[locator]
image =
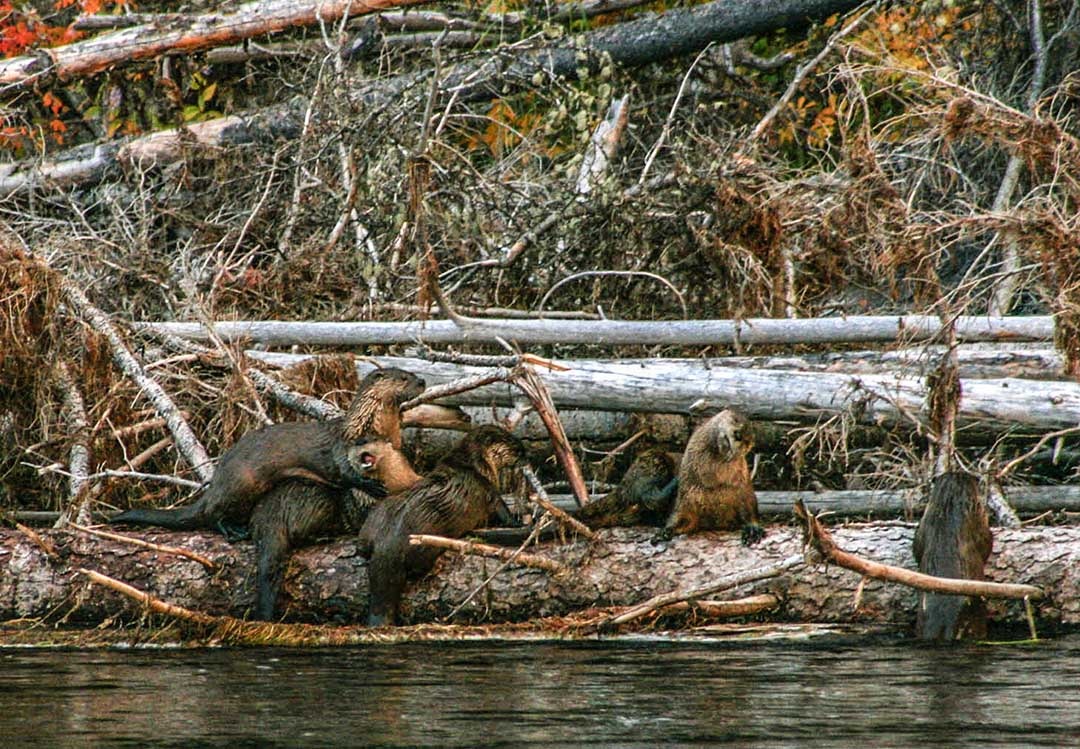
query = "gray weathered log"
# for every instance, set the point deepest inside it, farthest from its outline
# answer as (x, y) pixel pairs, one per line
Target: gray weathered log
(181, 33)
(1029, 500)
(649, 39)
(998, 404)
(621, 568)
(863, 329)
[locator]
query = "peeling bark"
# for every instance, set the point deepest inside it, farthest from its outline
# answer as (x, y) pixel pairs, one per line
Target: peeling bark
(329, 582)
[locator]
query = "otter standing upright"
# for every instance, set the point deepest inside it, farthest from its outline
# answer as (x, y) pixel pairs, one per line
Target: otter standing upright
(458, 496)
(953, 540)
(715, 492)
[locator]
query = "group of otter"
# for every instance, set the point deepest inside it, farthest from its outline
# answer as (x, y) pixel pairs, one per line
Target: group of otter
(288, 484)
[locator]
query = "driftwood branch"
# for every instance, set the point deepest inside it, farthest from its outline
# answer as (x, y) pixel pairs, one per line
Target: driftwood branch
(866, 329)
(726, 609)
(818, 538)
(487, 550)
(186, 441)
(725, 583)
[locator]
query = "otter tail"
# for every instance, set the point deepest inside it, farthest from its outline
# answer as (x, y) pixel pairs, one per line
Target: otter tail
(186, 518)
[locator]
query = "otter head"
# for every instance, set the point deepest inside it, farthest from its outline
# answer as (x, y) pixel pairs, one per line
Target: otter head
(490, 449)
(390, 385)
(379, 461)
(731, 433)
(375, 409)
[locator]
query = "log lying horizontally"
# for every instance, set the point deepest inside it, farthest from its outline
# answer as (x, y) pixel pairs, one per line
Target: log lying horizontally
(622, 568)
(862, 329)
(995, 404)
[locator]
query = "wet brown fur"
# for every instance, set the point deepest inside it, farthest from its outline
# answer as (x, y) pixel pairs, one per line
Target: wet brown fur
(643, 496)
(953, 540)
(296, 513)
(715, 490)
(314, 451)
(458, 496)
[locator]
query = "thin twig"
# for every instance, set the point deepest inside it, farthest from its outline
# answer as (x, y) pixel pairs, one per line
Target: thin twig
(486, 550)
(646, 274)
(207, 563)
(541, 498)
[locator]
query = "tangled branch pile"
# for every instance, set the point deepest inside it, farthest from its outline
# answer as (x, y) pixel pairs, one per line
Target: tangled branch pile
(917, 157)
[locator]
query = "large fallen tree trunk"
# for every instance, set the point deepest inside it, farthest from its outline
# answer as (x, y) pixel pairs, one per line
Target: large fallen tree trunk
(999, 404)
(861, 329)
(650, 39)
(329, 582)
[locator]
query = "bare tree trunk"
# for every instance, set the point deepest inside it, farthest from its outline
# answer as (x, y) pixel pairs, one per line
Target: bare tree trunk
(620, 568)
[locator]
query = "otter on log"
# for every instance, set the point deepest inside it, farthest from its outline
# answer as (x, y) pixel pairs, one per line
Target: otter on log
(457, 497)
(642, 497)
(317, 451)
(953, 540)
(296, 513)
(715, 492)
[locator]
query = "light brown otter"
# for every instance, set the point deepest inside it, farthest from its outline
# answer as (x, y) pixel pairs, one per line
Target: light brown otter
(458, 496)
(715, 491)
(642, 497)
(316, 451)
(296, 513)
(953, 540)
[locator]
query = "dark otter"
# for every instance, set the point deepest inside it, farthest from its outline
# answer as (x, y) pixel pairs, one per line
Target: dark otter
(317, 451)
(715, 492)
(296, 513)
(953, 540)
(642, 497)
(457, 496)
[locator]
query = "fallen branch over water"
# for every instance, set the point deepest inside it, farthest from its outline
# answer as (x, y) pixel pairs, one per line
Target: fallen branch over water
(818, 538)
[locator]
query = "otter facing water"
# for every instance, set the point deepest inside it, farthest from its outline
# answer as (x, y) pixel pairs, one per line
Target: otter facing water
(457, 496)
(317, 451)
(715, 492)
(953, 540)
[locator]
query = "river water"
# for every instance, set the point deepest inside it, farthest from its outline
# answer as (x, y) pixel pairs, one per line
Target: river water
(824, 692)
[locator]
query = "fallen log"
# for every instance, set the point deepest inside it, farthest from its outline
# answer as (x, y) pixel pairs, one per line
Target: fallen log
(181, 33)
(1028, 500)
(622, 568)
(774, 331)
(991, 405)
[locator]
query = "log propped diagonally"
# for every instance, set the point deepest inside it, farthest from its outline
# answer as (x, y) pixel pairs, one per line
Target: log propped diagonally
(329, 582)
(649, 39)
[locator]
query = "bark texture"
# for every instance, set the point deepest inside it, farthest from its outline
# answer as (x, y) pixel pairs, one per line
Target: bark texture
(329, 582)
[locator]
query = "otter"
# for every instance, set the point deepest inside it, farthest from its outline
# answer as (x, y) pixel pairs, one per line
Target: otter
(317, 451)
(295, 513)
(715, 492)
(642, 497)
(458, 496)
(953, 540)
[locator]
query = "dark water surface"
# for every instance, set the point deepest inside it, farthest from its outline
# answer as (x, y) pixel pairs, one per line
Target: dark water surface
(840, 692)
